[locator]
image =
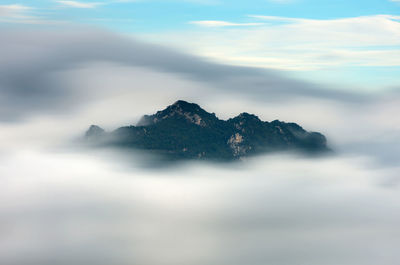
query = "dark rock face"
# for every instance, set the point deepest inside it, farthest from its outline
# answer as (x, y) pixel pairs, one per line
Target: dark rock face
(186, 131)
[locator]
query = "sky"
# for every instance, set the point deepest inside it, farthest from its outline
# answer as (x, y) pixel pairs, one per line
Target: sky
(330, 66)
(349, 43)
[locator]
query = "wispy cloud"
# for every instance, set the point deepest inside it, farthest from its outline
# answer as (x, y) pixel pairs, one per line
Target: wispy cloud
(38, 79)
(220, 23)
(353, 19)
(298, 43)
(80, 4)
(22, 14)
(76, 4)
(14, 11)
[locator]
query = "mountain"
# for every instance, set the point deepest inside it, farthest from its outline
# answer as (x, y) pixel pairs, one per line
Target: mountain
(186, 131)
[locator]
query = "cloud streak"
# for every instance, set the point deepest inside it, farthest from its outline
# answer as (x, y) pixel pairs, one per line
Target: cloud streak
(14, 12)
(23, 14)
(31, 82)
(299, 43)
(76, 4)
(219, 23)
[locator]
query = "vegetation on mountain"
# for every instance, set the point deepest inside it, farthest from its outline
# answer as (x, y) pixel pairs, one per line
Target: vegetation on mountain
(186, 131)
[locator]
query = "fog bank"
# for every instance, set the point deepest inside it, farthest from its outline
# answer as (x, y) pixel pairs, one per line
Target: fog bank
(68, 208)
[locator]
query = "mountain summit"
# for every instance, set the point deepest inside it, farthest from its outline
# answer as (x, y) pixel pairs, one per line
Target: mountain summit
(192, 112)
(184, 130)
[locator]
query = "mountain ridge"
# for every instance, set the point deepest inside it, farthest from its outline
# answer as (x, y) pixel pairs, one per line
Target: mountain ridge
(184, 130)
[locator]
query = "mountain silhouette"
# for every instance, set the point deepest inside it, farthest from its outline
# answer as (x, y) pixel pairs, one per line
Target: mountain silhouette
(184, 130)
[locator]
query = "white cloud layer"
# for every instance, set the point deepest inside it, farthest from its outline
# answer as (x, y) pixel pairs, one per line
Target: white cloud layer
(76, 208)
(298, 44)
(23, 14)
(76, 4)
(219, 23)
(15, 11)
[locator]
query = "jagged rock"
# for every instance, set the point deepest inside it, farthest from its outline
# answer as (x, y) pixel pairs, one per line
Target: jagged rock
(185, 130)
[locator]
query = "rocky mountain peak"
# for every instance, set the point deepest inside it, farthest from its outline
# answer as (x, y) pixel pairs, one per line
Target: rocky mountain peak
(191, 112)
(185, 130)
(245, 120)
(181, 107)
(244, 116)
(186, 105)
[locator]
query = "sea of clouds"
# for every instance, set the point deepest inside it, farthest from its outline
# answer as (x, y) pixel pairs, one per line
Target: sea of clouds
(63, 204)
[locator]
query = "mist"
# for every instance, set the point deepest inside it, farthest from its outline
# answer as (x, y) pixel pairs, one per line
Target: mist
(83, 209)
(64, 204)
